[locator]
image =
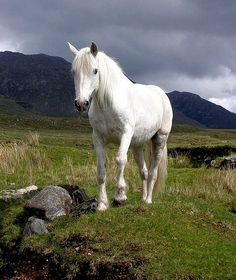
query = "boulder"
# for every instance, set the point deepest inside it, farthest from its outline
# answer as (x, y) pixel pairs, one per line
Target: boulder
(34, 226)
(51, 202)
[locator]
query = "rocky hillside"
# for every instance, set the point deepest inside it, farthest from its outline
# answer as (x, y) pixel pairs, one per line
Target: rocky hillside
(40, 82)
(202, 111)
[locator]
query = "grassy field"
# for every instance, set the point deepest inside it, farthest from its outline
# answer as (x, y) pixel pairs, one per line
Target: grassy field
(188, 233)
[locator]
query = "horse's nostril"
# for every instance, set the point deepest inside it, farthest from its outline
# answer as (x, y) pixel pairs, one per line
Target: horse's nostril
(82, 106)
(78, 107)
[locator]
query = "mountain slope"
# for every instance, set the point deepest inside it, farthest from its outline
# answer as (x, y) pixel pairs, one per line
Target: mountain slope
(200, 110)
(11, 107)
(43, 84)
(180, 118)
(40, 80)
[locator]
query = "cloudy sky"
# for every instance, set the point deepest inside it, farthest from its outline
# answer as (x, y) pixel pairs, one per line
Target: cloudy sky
(185, 45)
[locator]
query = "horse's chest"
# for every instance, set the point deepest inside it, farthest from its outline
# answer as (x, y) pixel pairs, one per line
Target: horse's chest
(111, 128)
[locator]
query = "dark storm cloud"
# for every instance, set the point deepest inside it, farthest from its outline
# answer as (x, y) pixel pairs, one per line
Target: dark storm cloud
(180, 44)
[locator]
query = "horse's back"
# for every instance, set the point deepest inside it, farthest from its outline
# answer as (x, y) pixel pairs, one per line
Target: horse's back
(152, 106)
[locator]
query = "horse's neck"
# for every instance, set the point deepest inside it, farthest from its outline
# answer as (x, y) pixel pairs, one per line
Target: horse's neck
(113, 83)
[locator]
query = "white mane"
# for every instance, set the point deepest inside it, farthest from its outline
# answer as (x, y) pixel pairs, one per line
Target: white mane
(111, 76)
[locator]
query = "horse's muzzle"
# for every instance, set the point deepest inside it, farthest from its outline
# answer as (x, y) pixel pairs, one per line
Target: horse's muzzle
(82, 106)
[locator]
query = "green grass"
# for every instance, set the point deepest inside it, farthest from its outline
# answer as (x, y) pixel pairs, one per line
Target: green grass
(188, 233)
(201, 137)
(176, 238)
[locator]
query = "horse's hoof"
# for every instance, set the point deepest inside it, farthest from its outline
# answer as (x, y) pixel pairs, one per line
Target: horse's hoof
(144, 199)
(118, 203)
(147, 201)
(102, 207)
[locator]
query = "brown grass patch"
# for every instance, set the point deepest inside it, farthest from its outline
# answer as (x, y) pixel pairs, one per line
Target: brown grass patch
(16, 156)
(214, 185)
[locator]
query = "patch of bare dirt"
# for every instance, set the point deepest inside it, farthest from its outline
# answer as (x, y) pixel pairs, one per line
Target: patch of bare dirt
(29, 265)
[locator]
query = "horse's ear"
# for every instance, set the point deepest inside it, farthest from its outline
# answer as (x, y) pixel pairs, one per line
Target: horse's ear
(94, 49)
(73, 49)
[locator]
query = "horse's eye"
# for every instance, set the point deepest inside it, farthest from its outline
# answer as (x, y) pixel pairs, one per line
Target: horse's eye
(95, 71)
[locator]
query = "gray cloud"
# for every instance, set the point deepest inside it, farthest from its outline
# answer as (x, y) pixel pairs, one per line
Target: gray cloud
(178, 44)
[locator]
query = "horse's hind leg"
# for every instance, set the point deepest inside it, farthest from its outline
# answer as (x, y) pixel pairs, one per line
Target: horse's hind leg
(101, 172)
(138, 153)
(158, 147)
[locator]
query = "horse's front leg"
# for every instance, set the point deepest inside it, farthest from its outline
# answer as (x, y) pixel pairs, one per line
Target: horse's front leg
(101, 171)
(121, 160)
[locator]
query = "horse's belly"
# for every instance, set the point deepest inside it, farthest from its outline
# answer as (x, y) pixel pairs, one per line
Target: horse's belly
(142, 135)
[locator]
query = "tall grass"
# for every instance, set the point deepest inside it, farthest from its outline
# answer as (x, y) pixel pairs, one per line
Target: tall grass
(214, 184)
(16, 156)
(207, 183)
(32, 138)
(85, 175)
(27, 162)
(179, 161)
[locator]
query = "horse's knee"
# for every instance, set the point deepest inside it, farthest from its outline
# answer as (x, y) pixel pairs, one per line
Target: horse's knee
(144, 174)
(101, 179)
(152, 175)
(121, 160)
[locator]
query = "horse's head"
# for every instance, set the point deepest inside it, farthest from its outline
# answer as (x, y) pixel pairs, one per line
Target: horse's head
(85, 72)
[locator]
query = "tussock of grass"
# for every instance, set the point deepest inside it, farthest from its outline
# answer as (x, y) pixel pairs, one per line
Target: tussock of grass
(16, 156)
(179, 161)
(33, 139)
(84, 175)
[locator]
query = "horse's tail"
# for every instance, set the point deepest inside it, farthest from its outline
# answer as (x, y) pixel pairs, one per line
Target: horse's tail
(161, 171)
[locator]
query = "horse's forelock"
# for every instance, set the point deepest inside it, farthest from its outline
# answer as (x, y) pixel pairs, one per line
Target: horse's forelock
(82, 60)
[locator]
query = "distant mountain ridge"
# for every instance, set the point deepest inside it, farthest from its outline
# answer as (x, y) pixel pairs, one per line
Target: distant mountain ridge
(42, 81)
(202, 111)
(43, 84)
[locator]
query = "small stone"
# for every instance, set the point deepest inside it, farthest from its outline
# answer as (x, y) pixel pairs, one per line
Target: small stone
(31, 188)
(228, 163)
(7, 195)
(34, 226)
(21, 191)
(11, 195)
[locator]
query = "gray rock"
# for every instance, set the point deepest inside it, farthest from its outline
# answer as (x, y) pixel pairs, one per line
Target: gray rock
(34, 226)
(53, 202)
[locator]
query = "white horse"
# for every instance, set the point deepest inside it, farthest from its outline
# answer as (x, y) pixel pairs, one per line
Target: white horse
(125, 113)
